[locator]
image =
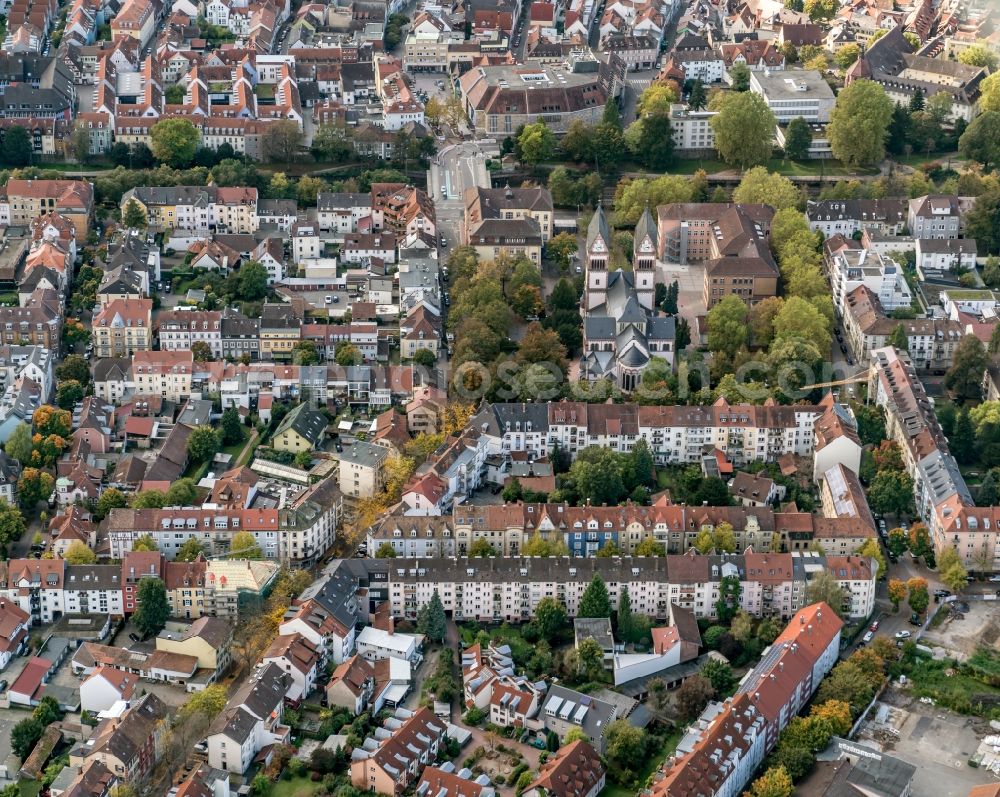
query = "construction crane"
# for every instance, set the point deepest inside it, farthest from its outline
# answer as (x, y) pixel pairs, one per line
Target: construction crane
(860, 376)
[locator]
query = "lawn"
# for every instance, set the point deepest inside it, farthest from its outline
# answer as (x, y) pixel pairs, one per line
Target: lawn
(296, 787)
(235, 449)
(29, 788)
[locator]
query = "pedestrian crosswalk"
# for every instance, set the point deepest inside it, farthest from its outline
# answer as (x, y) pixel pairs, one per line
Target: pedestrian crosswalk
(640, 83)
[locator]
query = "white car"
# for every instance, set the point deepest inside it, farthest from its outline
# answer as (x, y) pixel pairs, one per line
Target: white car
(904, 634)
(995, 579)
(868, 637)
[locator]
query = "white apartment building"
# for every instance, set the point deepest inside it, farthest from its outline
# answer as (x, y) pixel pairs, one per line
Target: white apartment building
(851, 268)
(691, 129)
(509, 588)
(795, 93)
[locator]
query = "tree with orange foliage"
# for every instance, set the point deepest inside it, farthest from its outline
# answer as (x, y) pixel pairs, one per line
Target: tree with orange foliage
(897, 591)
(835, 712)
(887, 456)
(918, 597)
(49, 420)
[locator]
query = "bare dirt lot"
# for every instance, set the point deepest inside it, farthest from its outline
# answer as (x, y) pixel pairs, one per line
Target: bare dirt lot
(963, 634)
(938, 742)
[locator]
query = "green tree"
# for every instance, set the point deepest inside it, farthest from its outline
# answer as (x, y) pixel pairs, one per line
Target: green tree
(385, 551)
(134, 216)
(481, 547)
(720, 675)
(991, 276)
(595, 601)
(969, 362)
(952, 570)
(111, 498)
(145, 543)
(819, 10)
(989, 94)
(346, 354)
(859, 123)
(203, 443)
(305, 353)
(872, 549)
(626, 621)
(899, 339)
(697, 99)
(152, 609)
(649, 138)
(648, 546)
(560, 250)
(979, 54)
(642, 463)
(759, 186)
(174, 141)
(25, 735)
(251, 280)
(798, 139)
(693, 696)
(79, 554)
(424, 358)
(625, 745)
(981, 139)
(19, 445)
(17, 147)
(891, 492)
(536, 143)
(232, 427)
(550, 617)
(244, 545)
(181, 493)
(435, 623)
(897, 542)
(727, 326)
(33, 487)
(729, 598)
(823, 587)
(744, 129)
(740, 74)
(190, 550)
(74, 367)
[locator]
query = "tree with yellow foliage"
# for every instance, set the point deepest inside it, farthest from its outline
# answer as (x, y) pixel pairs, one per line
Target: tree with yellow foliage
(897, 592)
(398, 471)
(835, 712)
(456, 417)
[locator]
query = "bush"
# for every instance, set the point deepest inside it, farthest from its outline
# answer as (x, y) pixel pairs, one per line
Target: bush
(513, 777)
(474, 716)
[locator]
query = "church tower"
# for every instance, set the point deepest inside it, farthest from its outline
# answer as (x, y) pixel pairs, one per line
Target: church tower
(598, 253)
(644, 259)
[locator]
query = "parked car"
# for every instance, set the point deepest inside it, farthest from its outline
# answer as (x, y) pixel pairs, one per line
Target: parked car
(135, 637)
(904, 634)
(3, 685)
(874, 626)
(915, 619)
(868, 637)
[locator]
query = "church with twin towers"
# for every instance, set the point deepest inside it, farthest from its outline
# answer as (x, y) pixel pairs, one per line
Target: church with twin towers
(622, 331)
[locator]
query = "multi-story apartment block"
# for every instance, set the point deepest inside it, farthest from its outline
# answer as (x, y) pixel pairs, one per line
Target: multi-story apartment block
(941, 495)
(850, 216)
(123, 327)
(507, 589)
(731, 739)
(197, 208)
(934, 216)
(299, 531)
(585, 530)
(745, 433)
(163, 373)
(21, 201)
(180, 329)
(691, 129)
(850, 268)
(931, 342)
